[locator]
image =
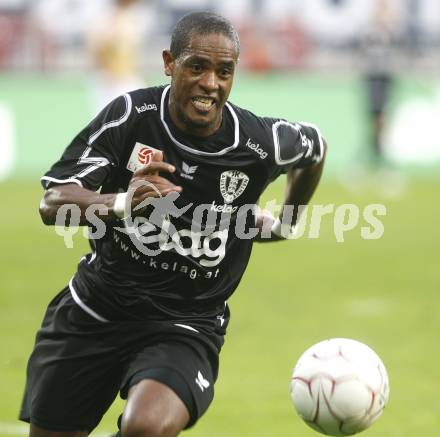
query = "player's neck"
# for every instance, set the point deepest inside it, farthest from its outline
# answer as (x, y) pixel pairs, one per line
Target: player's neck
(187, 127)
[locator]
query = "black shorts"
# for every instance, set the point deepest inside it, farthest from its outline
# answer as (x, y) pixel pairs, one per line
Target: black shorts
(79, 365)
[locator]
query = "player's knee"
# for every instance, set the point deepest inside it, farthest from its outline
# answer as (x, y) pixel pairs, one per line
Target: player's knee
(147, 426)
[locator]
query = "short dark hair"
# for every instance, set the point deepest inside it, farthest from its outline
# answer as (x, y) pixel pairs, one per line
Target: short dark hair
(201, 23)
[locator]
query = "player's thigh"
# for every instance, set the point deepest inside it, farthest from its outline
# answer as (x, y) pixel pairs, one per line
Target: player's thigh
(185, 366)
(153, 409)
(73, 375)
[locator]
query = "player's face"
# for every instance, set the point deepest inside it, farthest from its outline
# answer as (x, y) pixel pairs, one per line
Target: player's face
(201, 79)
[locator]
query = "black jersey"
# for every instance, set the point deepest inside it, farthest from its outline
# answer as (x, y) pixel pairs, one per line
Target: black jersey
(186, 266)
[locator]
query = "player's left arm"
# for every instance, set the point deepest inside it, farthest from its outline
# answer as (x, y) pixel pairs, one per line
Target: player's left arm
(300, 186)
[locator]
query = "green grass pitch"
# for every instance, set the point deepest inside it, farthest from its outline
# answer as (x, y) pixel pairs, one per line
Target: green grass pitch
(382, 292)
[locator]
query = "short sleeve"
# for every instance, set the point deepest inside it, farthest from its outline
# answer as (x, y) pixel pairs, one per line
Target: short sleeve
(296, 144)
(96, 151)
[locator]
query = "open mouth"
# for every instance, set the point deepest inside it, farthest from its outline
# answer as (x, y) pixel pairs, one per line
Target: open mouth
(203, 103)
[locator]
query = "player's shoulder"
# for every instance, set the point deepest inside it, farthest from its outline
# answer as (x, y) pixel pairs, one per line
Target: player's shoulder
(147, 99)
(307, 140)
(249, 121)
(131, 106)
(283, 136)
(124, 113)
(270, 125)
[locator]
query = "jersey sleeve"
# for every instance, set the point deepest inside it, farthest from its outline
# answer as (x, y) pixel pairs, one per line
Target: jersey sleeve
(296, 145)
(95, 153)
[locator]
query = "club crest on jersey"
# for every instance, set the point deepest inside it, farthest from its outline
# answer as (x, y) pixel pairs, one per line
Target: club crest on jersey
(140, 156)
(232, 184)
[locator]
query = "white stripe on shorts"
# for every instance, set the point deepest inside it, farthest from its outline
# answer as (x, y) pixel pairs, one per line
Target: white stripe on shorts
(84, 306)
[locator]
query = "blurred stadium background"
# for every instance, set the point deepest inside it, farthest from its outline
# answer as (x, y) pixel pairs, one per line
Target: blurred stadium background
(302, 60)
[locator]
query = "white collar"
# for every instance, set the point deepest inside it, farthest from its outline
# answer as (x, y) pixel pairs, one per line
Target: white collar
(197, 151)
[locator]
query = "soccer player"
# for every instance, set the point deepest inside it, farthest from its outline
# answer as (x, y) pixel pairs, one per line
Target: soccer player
(172, 174)
(378, 51)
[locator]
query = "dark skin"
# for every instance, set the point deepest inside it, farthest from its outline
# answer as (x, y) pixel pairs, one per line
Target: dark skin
(201, 80)
(205, 69)
(59, 195)
(300, 185)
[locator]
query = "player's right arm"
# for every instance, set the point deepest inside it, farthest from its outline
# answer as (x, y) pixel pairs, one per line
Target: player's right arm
(300, 152)
(94, 158)
(145, 183)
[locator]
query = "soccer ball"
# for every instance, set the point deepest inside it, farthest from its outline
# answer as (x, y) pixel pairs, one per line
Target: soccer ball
(339, 386)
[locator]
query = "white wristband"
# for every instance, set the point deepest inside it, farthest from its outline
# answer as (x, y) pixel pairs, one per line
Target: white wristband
(282, 230)
(120, 206)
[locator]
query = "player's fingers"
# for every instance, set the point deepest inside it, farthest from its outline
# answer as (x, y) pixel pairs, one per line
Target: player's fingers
(157, 156)
(140, 197)
(176, 188)
(154, 184)
(154, 167)
(163, 192)
(157, 191)
(149, 181)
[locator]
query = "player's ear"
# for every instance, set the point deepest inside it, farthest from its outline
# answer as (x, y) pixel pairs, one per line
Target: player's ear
(168, 62)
